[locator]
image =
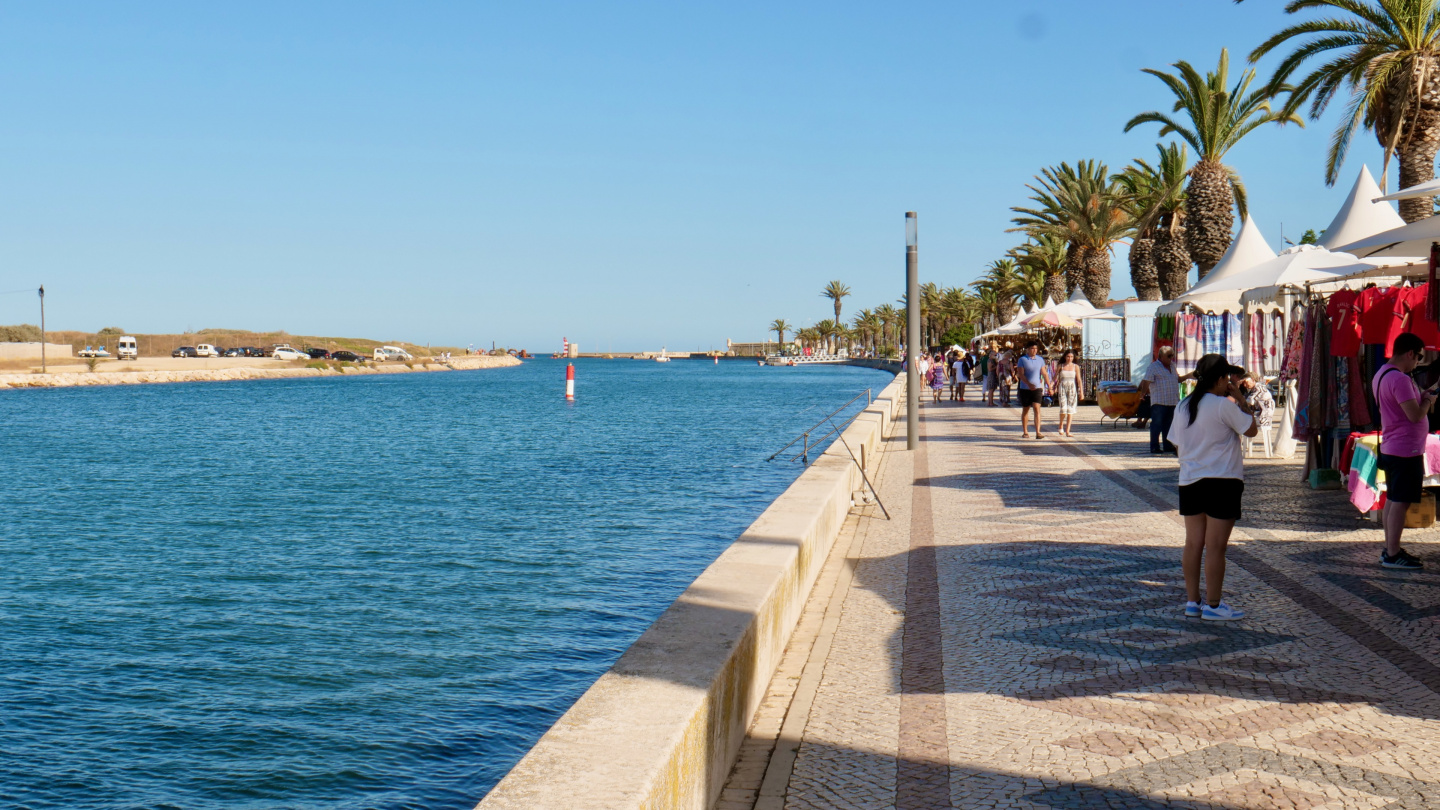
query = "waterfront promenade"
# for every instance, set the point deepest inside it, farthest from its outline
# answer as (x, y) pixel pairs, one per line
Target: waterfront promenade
(1013, 638)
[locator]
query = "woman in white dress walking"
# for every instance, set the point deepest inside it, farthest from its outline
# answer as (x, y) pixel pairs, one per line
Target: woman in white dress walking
(1070, 389)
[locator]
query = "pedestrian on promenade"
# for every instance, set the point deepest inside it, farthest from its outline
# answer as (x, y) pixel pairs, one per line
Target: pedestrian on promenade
(1004, 375)
(1033, 375)
(1212, 480)
(1403, 430)
(988, 364)
(964, 367)
(1070, 390)
(937, 377)
(1163, 387)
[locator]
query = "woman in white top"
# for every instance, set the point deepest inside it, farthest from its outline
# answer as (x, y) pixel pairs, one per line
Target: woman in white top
(1207, 430)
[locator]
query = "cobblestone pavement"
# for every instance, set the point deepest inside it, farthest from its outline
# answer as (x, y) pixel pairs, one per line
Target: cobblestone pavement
(1013, 638)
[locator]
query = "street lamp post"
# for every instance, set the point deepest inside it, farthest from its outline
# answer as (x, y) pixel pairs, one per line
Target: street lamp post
(42, 328)
(912, 333)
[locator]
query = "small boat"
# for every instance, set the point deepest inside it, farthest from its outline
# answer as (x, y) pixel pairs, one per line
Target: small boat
(662, 357)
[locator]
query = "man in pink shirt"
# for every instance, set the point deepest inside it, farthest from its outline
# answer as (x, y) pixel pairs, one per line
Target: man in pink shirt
(1403, 430)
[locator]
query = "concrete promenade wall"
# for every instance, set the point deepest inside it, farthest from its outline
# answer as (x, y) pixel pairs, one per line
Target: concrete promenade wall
(662, 727)
(31, 351)
(892, 366)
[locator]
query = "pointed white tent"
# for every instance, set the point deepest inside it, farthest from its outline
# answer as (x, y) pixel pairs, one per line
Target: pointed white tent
(1015, 326)
(1214, 291)
(1077, 306)
(1361, 216)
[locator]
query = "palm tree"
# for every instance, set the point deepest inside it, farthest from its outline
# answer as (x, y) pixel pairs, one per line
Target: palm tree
(929, 302)
(780, 326)
(888, 318)
(1155, 199)
(1083, 206)
(835, 291)
(1044, 254)
(1003, 277)
(1030, 284)
(826, 330)
(1218, 118)
(1389, 60)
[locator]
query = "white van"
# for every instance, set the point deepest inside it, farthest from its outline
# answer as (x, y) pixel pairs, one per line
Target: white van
(206, 350)
(127, 348)
(383, 353)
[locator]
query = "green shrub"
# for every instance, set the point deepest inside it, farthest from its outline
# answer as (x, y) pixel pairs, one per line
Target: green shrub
(92, 362)
(320, 364)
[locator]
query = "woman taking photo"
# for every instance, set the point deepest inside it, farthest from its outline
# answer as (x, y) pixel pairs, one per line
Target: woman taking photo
(1070, 390)
(1207, 429)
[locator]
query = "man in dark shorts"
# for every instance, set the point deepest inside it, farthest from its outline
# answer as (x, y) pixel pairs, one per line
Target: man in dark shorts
(1404, 427)
(1033, 373)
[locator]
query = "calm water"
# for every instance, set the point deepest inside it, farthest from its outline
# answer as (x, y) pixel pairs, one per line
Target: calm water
(374, 592)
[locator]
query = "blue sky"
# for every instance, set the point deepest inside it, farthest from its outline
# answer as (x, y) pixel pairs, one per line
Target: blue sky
(628, 175)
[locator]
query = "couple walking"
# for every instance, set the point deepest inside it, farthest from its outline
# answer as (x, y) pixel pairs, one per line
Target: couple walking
(1035, 378)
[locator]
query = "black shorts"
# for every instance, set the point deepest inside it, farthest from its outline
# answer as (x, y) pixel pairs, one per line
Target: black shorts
(1029, 396)
(1404, 477)
(1218, 498)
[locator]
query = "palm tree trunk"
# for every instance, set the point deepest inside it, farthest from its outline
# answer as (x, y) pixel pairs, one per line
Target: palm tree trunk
(1417, 151)
(1055, 287)
(1172, 260)
(1074, 270)
(1144, 276)
(1095, 275)
(1210, 216)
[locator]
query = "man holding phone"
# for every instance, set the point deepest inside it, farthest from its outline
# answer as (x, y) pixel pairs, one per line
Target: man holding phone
(1404, 427)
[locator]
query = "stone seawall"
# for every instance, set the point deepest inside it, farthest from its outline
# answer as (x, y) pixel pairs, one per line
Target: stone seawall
(662, 727)
(71, 379)
(892, 366)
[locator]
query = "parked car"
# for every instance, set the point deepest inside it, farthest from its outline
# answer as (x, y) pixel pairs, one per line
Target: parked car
(346, 356)
(254, 351)
(184, 351)
(383, 353)
(235, 352)
(127, 349)
(287, 353)
(317, 354)
(206, 350)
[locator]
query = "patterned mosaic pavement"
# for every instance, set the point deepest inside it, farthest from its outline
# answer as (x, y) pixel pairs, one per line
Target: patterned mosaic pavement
(1013, 638)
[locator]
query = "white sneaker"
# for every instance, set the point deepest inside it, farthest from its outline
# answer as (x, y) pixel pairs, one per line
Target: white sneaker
(1192, 610)
(1221, 613)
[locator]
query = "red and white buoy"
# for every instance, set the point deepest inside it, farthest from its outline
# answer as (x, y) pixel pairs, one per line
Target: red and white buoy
(570, 381)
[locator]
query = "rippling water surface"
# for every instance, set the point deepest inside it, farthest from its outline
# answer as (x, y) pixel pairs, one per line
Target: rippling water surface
(373, 592)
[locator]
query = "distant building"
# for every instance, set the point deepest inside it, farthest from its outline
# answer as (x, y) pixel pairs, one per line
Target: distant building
(751, 349)
(572, 349)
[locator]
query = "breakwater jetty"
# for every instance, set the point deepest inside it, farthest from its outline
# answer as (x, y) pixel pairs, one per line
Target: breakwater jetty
(72, 379)
(663, 726)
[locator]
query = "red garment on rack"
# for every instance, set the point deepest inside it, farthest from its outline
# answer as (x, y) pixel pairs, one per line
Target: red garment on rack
(1418, 322)
(1382, 314)
(1344, 324)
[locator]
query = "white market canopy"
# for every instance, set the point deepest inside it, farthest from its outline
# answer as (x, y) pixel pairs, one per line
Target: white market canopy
(1013, 326)
(1215, 292)
(1411, 241)
(1427, 189)
(1295, 267)
(1363, 215)
(1078, 306)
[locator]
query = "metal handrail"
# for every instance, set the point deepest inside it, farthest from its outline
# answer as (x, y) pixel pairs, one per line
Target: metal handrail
(804, 453)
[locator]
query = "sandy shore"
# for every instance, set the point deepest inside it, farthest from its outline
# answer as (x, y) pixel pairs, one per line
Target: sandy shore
(177, 369)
